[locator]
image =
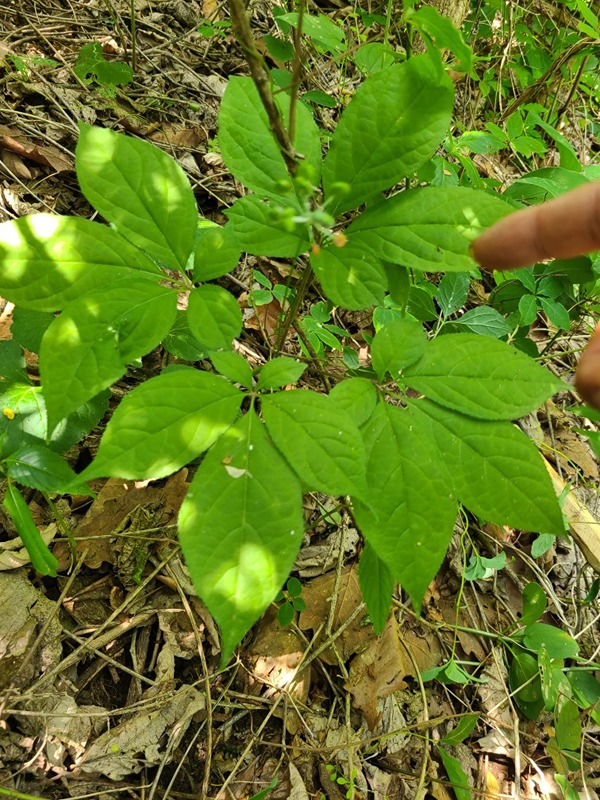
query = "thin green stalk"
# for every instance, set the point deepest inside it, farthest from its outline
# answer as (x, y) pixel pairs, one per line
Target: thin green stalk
(19, 795)
(306, 342)
(292, 312)
(296, 72)
(133, 36)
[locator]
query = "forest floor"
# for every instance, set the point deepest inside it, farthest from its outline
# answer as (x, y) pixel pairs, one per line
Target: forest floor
(112, 689)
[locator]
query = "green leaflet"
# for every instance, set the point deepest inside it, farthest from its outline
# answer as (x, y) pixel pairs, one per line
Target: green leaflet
(30, 420)
(248, 147)
(164, 424)
(260, 231)
(28, 327)
(430, 228)
(491, 467)
(357, 396)
(141, 190)
(319, 440)
(233, 365)
(452, 292)
(485, 321)
(46, 261)
(43, 469)
(279, 372)
(376, 585)
(458, 778)
(240, 528)
(41, 557)
(350, 276)
(393, 124)
(429, 21)
(217, 251)
(411, 512)
(558, 643)
(396, 346)
(87, 348)
(481, 377)
(214, 316)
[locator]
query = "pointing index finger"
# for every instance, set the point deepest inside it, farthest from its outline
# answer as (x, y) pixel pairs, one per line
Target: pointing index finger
(565, 227)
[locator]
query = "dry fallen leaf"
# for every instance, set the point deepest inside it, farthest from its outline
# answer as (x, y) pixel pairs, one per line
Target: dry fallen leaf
(317, 595)
(48, 155)
(23, 611)
(378, 672)
(114, 502)
(139, 741)
(273, 660)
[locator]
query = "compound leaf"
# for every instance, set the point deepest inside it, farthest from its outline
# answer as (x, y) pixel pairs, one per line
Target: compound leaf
(240, 527)
(165, 423)
(141, 190)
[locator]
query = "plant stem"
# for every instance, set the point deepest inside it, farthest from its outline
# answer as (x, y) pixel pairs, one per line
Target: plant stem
(19, 795)
(260, 76)
(292, 311)
(296, 72)
(133, 37)
(313, 354)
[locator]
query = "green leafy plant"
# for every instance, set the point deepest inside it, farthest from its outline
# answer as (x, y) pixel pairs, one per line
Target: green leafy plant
(347, 784)
(291, 601)
(219, 27)
(540, 679)
(92, 67)
(30, 450)
(268, 292)
(26, 64)
(426, 428)
(453, 767)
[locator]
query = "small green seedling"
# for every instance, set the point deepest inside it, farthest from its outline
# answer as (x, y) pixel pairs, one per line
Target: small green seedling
(269, 291)
(26, 64)
(292, 602)
(219, 27)
(92, 67)
(348, 783)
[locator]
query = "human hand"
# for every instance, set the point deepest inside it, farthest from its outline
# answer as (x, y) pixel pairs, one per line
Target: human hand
(565, 227)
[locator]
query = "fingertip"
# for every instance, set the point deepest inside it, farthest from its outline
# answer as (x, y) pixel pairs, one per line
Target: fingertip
(587, 376)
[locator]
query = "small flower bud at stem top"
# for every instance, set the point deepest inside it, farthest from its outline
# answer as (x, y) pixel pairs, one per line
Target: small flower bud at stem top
(315, 249)
(339, 189)
(8, 413)
(340, 239)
